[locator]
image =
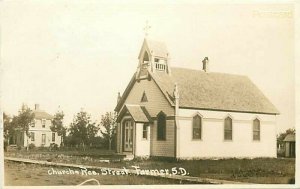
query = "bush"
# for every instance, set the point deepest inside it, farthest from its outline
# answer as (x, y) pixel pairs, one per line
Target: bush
(53, 146)
(31, 146)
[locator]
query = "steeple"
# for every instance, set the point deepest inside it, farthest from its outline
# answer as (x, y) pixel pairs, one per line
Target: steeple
(153, 58)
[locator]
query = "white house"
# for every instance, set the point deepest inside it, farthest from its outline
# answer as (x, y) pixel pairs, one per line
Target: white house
(40, 133)
(185, 113)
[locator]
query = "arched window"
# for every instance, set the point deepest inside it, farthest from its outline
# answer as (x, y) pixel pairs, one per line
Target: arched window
(256, 129)
(197, 127)
(146, 57)
(161, 126)
(228, 129)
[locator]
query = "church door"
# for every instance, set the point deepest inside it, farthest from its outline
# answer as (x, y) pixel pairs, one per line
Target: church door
(128, 135)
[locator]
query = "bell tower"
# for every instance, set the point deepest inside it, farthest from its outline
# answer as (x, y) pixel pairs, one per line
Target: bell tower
(153, 58)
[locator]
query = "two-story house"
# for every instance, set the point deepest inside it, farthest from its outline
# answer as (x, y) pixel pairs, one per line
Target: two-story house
(40, 133)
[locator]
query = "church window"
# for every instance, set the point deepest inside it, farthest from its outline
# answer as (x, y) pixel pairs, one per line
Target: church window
(161, 126)
(144, 97)
(228, 129)
(197, 127)
(256, 129)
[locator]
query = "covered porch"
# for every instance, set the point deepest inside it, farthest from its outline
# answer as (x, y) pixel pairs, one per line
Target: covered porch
(133, 131)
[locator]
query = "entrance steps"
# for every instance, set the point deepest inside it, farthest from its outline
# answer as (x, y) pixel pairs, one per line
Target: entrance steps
(128, 157)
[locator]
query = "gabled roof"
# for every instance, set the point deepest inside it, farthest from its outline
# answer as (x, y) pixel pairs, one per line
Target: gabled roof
(138, 113)
(209, 91)
(40, 114)
(290, 138)
(156, 48)
(214, 91)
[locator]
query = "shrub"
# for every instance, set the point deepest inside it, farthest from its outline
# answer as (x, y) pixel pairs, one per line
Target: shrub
(53, 146)
(31, 146)
(19, 148)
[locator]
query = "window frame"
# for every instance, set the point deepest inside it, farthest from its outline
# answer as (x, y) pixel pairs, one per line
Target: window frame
(200, 126)
(145, 131)
(32, 123)
(226, 130)
(161, 128)
(53, 137)
(43, 141)
(254, 130)
(32, 136)
(43, 121)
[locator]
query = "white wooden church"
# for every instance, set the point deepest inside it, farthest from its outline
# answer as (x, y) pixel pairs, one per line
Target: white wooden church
(184, 113)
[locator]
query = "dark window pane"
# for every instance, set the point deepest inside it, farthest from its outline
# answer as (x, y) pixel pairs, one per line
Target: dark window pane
(145, 131)
(161, 127)
(228, 129)
(197, 126)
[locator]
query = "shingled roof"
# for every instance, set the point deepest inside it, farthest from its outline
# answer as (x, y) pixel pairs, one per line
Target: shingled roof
(290, 138)
(214, 91)
(157, 48)
(209, 91)
(40, 114)
(138, 113)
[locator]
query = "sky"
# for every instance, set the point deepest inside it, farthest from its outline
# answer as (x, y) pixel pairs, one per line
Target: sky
(74, 55)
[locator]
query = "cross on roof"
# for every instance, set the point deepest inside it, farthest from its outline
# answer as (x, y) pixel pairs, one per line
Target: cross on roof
(147, 28)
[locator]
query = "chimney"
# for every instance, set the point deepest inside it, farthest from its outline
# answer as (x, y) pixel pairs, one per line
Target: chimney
(119, 97)
(205, 62)
(37, 107)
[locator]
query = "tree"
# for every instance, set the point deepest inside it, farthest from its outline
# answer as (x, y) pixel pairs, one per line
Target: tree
(22, 121)
(281, 136)
(82, 129)
(8, 131)
(57, 125)
(7, 125)
(108, 121)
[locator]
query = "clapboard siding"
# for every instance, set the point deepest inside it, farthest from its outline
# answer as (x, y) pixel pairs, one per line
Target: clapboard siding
(156, 100)
(213, 145)
(163, 148)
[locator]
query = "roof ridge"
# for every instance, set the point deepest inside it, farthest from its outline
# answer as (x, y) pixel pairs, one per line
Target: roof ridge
(198, 70)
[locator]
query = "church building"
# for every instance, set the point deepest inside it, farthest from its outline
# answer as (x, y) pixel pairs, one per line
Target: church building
(185, 113)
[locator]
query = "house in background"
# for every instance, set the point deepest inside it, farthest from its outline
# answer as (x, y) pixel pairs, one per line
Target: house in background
(184, 113)
(290, 147)
(39, 131)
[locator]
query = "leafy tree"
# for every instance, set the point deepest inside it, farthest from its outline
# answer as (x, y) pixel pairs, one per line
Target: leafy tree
(22, 121)
(281, 136)
(82, 129)
(8, 131)
(108, 121)
(57, 125)
(7, 126)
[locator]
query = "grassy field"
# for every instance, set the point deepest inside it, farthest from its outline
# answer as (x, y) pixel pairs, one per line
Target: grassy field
(259, 170)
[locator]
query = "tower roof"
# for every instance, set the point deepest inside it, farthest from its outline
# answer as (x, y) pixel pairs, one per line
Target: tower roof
(156, 48)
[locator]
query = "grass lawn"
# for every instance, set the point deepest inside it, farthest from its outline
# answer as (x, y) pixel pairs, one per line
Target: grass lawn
(259, 170)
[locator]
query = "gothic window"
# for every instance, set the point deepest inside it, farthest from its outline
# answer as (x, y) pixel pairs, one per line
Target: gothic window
(228, 129)
(144, 98)
(197, 127)
(161, 126)
(256, 129)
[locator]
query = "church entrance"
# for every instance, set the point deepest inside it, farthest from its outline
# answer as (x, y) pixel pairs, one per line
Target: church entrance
(128, 135)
